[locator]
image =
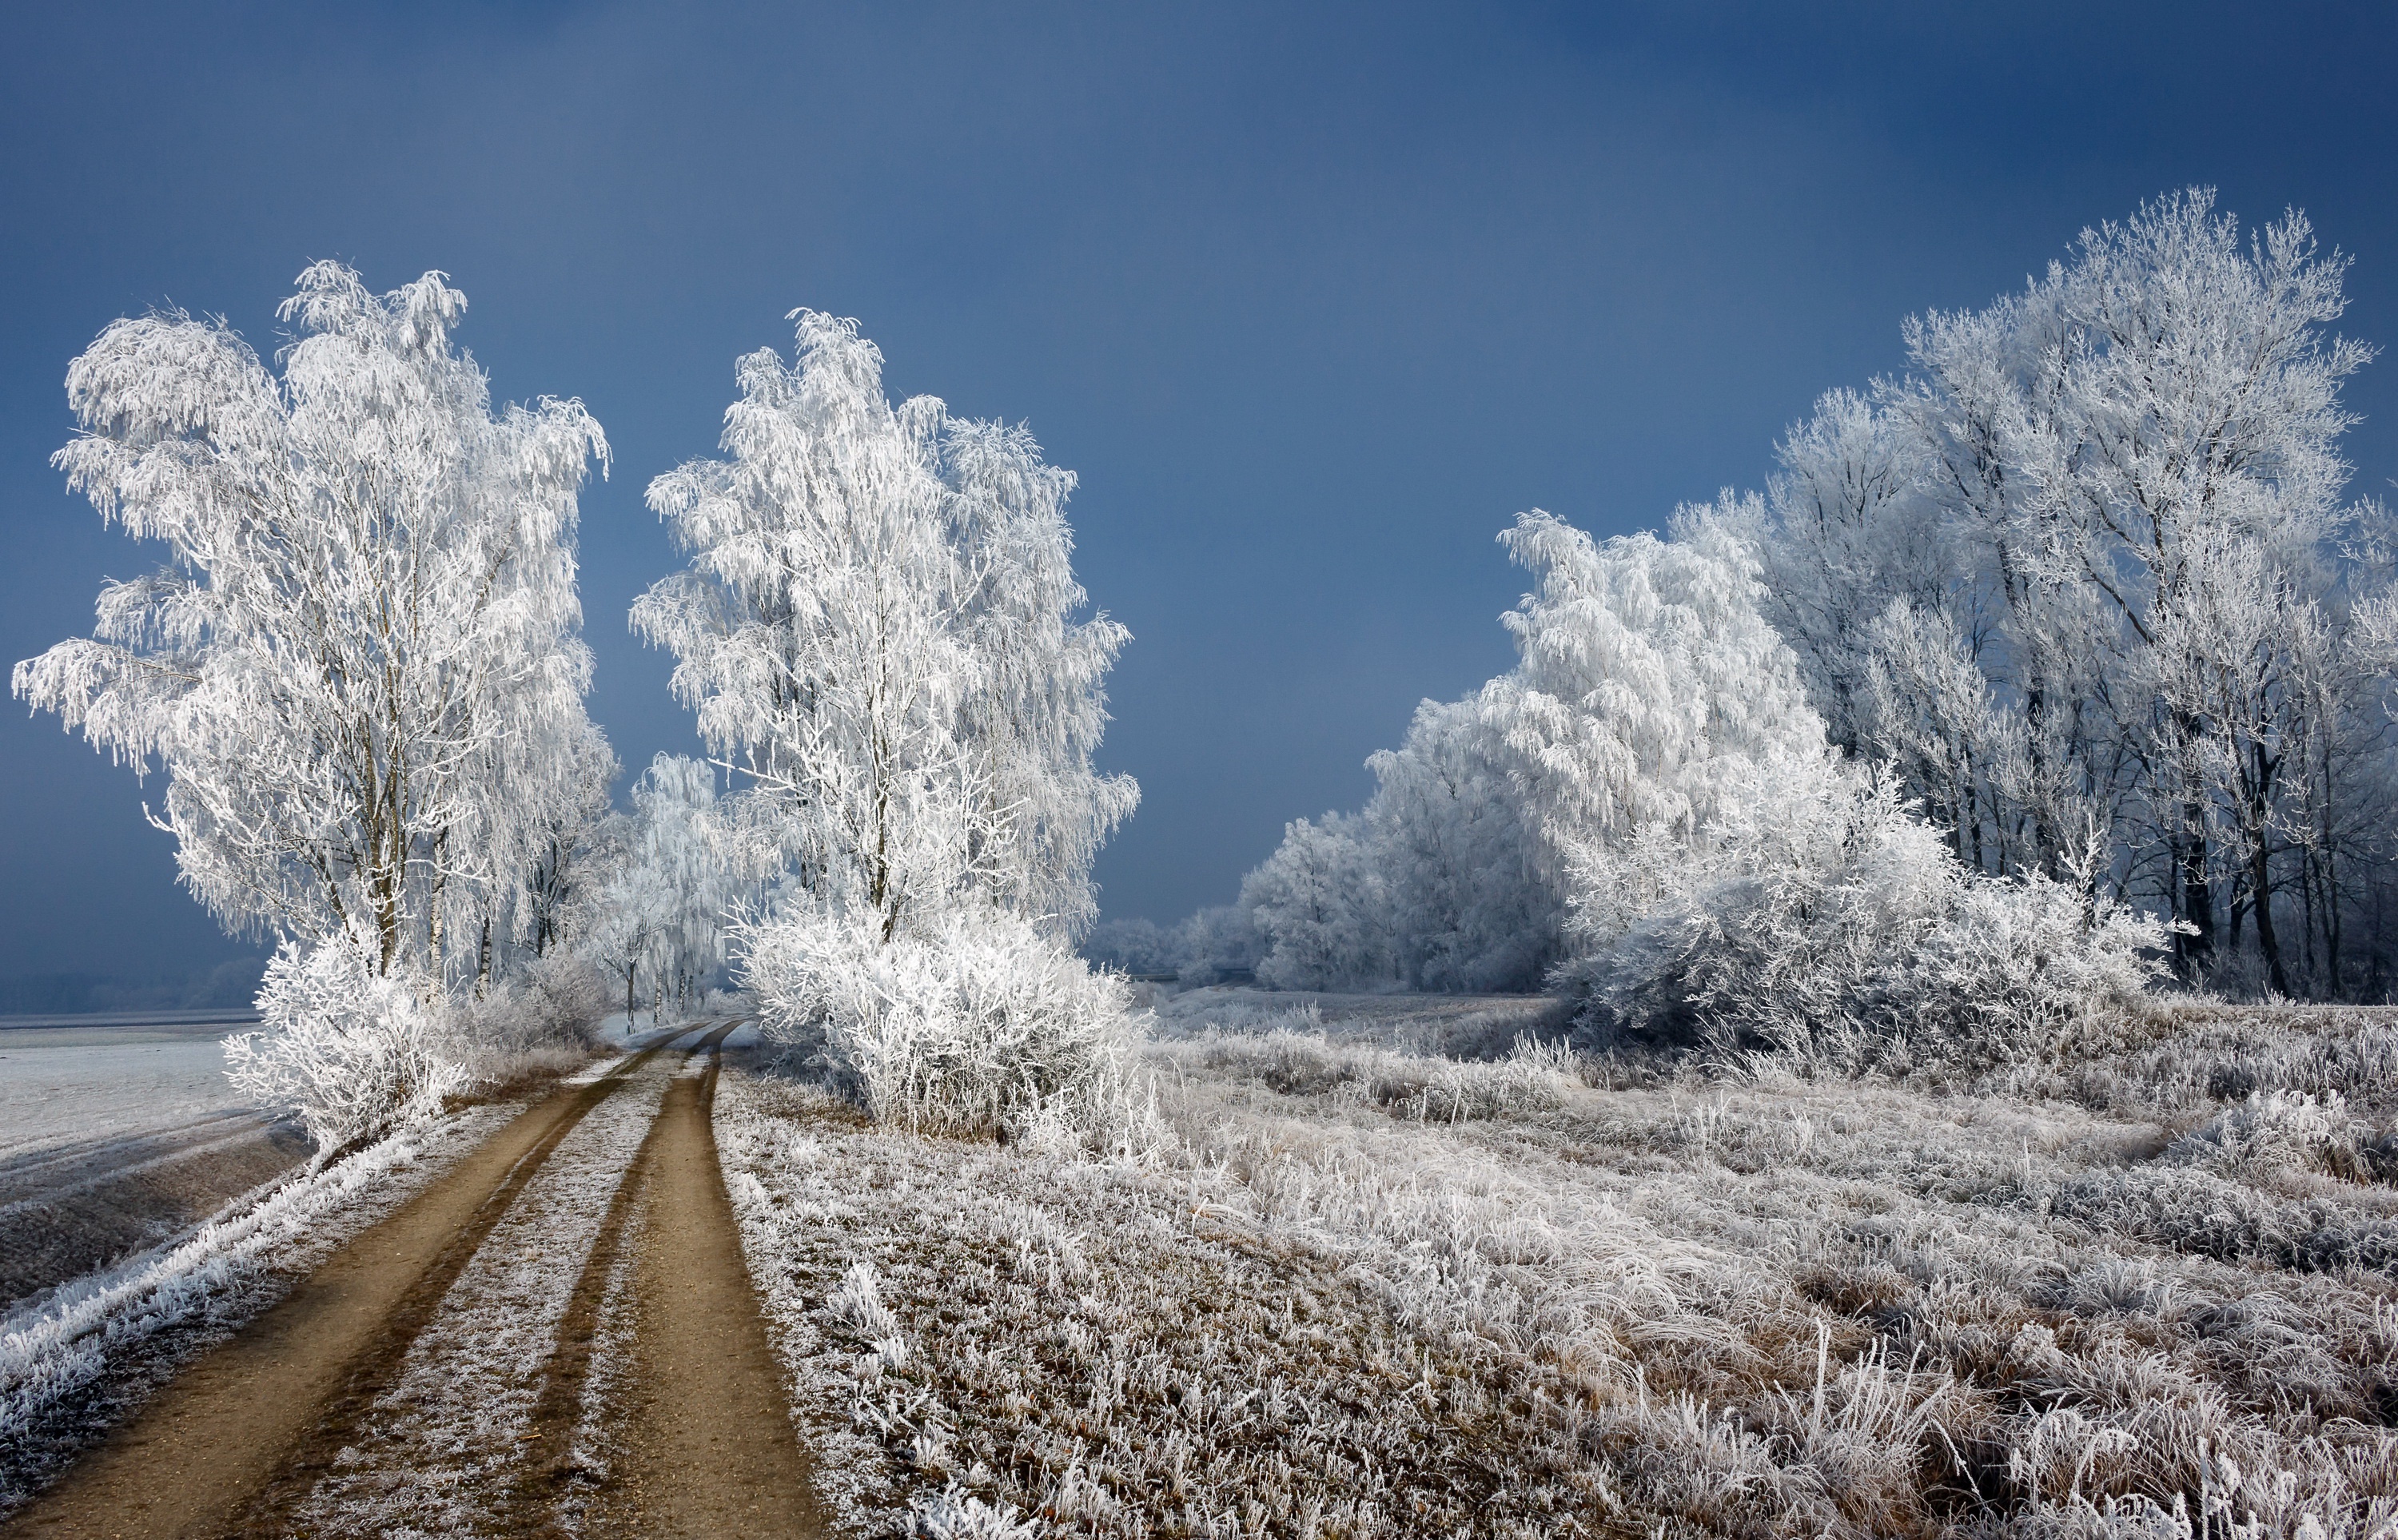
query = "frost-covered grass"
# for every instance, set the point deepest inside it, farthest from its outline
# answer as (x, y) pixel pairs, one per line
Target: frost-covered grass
(1365, 1290)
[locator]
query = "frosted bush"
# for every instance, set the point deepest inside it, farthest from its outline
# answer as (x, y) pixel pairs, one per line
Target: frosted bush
(554, 1000)
(353, 1050)
(977, 1023)
(2272, 1130)
(1847, 934)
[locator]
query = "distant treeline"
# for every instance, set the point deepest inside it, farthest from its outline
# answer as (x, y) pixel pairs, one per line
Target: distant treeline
(227, 984)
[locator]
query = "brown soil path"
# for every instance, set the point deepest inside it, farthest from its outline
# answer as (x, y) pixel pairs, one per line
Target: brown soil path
(710, 1449)
(248, 1425)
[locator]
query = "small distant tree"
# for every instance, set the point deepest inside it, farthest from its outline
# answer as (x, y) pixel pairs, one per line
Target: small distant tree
(1321, 900)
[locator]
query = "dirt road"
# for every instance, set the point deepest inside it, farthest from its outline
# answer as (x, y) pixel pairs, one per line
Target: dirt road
(558, 1336)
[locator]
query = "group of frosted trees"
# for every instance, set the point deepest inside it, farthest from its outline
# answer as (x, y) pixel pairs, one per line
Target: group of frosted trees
(2072, 623)
(361, 672)
(2060, 659)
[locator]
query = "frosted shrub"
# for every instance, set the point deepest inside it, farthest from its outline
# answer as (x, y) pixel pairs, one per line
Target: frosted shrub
(555, 1001)
(1855, 939)
(2272, 1130)
(353, 1051)
(980, 1022)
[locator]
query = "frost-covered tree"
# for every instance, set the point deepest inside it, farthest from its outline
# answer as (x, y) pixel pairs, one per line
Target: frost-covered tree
(1320, 898)
(1470, 905)
(360, 669)
(1649, 687)
(569, 841)
(1134, 946)
(2080, 570)
(1650, 690)
(1034, 717)
(878, 630)
(692, 872)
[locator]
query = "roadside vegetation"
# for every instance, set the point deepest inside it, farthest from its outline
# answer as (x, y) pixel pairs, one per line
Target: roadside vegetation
(1354, 1287)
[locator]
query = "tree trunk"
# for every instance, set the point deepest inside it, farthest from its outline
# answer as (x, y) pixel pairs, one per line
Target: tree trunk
(2260, 885)
(2195, 949)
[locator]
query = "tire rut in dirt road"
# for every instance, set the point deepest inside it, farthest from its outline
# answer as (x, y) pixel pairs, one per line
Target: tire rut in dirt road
(243, 1431)
(708, 1447)
(551, 1470)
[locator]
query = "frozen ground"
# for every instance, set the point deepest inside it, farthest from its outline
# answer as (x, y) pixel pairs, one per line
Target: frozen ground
(63, 1084)
(116, 1136)
(77, 1359)
(442, 1450)
(1363, 1289)
(557, 1337)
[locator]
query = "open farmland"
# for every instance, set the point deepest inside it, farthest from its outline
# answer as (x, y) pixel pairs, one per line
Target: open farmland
(119, 1136)
(1353, 1288)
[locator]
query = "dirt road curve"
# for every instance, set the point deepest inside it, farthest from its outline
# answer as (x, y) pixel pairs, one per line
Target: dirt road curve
(558, 1337)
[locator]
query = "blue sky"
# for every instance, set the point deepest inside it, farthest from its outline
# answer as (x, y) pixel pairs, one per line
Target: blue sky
(1314, 299)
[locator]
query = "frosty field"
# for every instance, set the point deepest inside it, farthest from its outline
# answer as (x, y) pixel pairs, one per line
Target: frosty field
(65, 1083)
(1357, 1290)
(119, 1136)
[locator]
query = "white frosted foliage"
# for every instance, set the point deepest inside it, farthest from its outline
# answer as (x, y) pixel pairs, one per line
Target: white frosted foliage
(360, 669)
(877, 633)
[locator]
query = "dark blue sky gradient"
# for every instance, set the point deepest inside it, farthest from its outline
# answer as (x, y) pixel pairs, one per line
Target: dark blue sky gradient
(1313, 300)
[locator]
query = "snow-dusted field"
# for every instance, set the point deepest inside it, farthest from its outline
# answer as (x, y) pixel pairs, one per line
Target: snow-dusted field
(62, 1084)
(119, 1136)
(1366, 1290)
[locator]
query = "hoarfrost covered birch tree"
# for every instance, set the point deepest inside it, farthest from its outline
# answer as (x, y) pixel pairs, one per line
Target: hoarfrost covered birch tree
(2101, 585)
(878, 630)
(1720, 872)
(361, 669)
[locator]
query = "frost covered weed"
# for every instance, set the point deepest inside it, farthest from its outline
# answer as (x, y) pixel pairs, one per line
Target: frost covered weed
(2274, 1129)
(2177, 1055)
(1533, 1076)
(1773, 1305)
